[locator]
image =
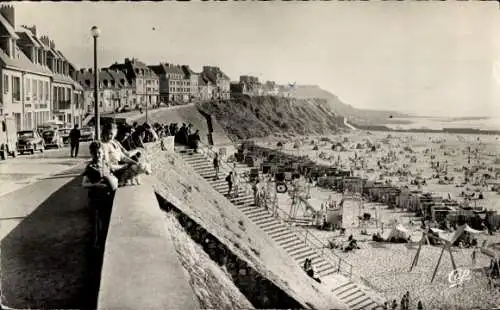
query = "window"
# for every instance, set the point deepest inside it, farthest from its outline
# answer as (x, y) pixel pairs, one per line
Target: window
(16, 88)
(26, 92)
(40, 90)
(5, 84)
(47, 94)
(40, 85)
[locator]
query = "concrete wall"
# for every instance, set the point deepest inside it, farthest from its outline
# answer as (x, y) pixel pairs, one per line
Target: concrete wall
(140, 268)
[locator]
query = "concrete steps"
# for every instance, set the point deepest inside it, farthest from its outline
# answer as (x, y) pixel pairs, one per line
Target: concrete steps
(348, 292)
(354, 297)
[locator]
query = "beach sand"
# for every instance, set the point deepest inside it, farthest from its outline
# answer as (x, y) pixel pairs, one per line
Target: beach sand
(386, 265)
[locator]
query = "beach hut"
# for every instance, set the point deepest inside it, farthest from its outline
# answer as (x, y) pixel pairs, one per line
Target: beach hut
(353, 185)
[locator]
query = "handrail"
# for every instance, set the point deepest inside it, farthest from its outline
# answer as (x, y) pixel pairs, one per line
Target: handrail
(315, 243)
(342, 266)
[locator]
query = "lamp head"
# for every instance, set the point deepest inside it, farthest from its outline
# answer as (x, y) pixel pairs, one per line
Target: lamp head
(95, 31)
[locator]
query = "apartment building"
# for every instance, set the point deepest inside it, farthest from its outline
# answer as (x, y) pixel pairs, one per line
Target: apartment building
(175, 86)
(66, 92)
(193, 77)
(222, 89)
(206, 88)
(25, 78)
(144, 82)
(251, 85)
(114, 91)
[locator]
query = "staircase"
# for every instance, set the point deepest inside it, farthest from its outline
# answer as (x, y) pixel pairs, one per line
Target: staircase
(348, 292)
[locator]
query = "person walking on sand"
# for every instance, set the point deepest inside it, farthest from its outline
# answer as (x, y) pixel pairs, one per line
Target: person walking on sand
(74, 140)
(216, 165)
(474, 258)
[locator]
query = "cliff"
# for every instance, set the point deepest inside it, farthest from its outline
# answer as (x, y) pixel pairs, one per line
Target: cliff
(337, 106)
(260, 116)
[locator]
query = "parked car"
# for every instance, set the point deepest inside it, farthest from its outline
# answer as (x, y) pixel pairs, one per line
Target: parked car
(29, 141)
(87, 134)
(64, 133)
(52, 138)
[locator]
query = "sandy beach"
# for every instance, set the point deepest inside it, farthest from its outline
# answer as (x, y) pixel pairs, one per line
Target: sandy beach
(386, 265)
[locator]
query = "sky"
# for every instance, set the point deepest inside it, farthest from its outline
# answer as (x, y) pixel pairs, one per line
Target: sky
(425, 57)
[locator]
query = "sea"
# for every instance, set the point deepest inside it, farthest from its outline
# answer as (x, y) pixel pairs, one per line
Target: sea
(438, 123)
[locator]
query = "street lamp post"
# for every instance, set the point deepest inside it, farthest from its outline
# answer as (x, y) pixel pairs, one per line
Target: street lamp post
(146, 82)
(115, 98)
(95, 34)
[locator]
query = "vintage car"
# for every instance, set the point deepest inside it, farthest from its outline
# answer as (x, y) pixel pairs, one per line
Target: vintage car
(29, 141)
(52, 138)
(87, 134)
(64, 133)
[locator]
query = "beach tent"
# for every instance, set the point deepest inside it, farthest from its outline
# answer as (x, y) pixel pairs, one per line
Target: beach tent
(397, 232)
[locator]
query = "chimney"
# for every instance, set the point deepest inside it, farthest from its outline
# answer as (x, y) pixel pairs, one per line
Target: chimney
(52, 44)
(32, 29)
(90, 70)
(8, 13)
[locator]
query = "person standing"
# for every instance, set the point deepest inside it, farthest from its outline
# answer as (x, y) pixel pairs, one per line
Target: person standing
(74, 139)
(255, 189)
(216, 165)
(229, 180)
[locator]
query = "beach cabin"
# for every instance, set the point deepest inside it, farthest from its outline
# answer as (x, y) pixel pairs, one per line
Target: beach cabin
(408, 200)
(385, 194)
(428, 200)
(353, 185)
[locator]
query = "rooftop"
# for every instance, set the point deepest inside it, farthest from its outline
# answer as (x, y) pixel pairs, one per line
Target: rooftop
(23, 63)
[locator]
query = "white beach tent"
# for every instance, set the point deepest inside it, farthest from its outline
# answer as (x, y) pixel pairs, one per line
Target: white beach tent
(398, 232)
(453, 236)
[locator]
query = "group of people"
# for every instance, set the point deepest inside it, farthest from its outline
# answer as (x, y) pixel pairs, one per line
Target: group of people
(186, 135)
(404, 304)
(110, 167)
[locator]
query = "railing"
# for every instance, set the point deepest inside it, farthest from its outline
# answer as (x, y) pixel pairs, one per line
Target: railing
(340, 264)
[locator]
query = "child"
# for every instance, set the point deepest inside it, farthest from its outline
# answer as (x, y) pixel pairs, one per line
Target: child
(97, 176)
(101, 185)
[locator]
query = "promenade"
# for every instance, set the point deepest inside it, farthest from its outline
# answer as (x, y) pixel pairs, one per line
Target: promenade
(46, 233)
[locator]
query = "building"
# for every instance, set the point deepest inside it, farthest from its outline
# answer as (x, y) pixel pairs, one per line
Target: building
(114, 91)
(237, 90)
(252, 86)
(17, 70)
(123, 89)
(193, 77)
(271, 88)
(64, 88)
(174, 84)
(221, 81)
(145, 83)
(206, 88)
